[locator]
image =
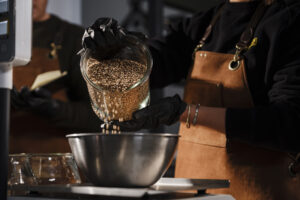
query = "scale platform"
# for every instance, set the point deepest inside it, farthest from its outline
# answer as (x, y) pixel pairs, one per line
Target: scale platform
(165, 188)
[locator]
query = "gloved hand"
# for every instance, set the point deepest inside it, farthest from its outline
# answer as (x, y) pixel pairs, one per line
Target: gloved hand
(39, 101)
(105, 37)
(164, 112)
(16, 101)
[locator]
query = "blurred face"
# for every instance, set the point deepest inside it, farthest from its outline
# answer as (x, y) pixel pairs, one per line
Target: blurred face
(39, 10)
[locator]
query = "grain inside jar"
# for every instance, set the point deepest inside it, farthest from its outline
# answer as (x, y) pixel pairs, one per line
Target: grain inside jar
(120, 92)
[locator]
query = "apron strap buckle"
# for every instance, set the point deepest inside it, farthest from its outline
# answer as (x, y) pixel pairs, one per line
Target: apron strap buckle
(240, 49)
(236, 62)
(197, 48)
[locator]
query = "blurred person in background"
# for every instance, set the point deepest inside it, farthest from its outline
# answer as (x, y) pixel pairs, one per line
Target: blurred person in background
(241, 109)
(41, 118)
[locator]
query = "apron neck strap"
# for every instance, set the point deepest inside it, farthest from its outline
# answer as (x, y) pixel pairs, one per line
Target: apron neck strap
(208, 29)
(211, 24)
(246, 36)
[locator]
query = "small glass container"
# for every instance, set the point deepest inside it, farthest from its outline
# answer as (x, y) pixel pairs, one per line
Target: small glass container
(55, 168)
(119, 105)
(20, 171)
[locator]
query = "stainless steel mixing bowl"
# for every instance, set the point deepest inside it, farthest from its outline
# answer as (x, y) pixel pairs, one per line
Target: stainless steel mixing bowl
(123, 160)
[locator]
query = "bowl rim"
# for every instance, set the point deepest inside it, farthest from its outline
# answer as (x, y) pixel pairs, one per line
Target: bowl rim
(75, 135)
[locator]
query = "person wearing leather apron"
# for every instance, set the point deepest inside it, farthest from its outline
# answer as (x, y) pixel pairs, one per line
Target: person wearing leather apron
(241, 109)
(40, 119)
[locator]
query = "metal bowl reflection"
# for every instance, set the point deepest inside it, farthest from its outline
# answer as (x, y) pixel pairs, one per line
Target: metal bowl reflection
(123, 160)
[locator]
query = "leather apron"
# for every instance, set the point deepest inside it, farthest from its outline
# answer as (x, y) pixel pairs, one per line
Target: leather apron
(203, 153)
(31, 133)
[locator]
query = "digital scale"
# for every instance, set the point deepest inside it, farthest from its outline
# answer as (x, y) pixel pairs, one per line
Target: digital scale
(15, 50)
(164, 189)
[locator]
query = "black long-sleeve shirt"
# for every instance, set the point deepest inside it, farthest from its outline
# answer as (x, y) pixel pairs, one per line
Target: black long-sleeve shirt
(76, 114)
(272, 67)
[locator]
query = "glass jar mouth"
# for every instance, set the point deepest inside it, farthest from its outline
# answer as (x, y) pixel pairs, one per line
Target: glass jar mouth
(131, 39)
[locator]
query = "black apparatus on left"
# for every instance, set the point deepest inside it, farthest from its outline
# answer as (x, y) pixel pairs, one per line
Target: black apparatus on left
(15, 50)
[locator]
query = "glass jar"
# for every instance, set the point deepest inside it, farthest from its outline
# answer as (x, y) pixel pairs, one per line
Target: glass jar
(54, 168)
(117, 104)
(20, 171)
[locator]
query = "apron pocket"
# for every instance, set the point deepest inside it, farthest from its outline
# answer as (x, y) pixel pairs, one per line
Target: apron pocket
(207, 93)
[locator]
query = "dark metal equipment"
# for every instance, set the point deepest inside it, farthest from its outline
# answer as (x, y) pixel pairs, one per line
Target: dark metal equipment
(15, 50)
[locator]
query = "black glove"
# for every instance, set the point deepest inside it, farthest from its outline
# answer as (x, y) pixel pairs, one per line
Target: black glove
(16, 100)
(39, 101)
(166, 111)
(104, 37)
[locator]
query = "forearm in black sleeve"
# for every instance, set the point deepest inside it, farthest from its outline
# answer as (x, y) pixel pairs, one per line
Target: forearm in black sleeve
(276, 125)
